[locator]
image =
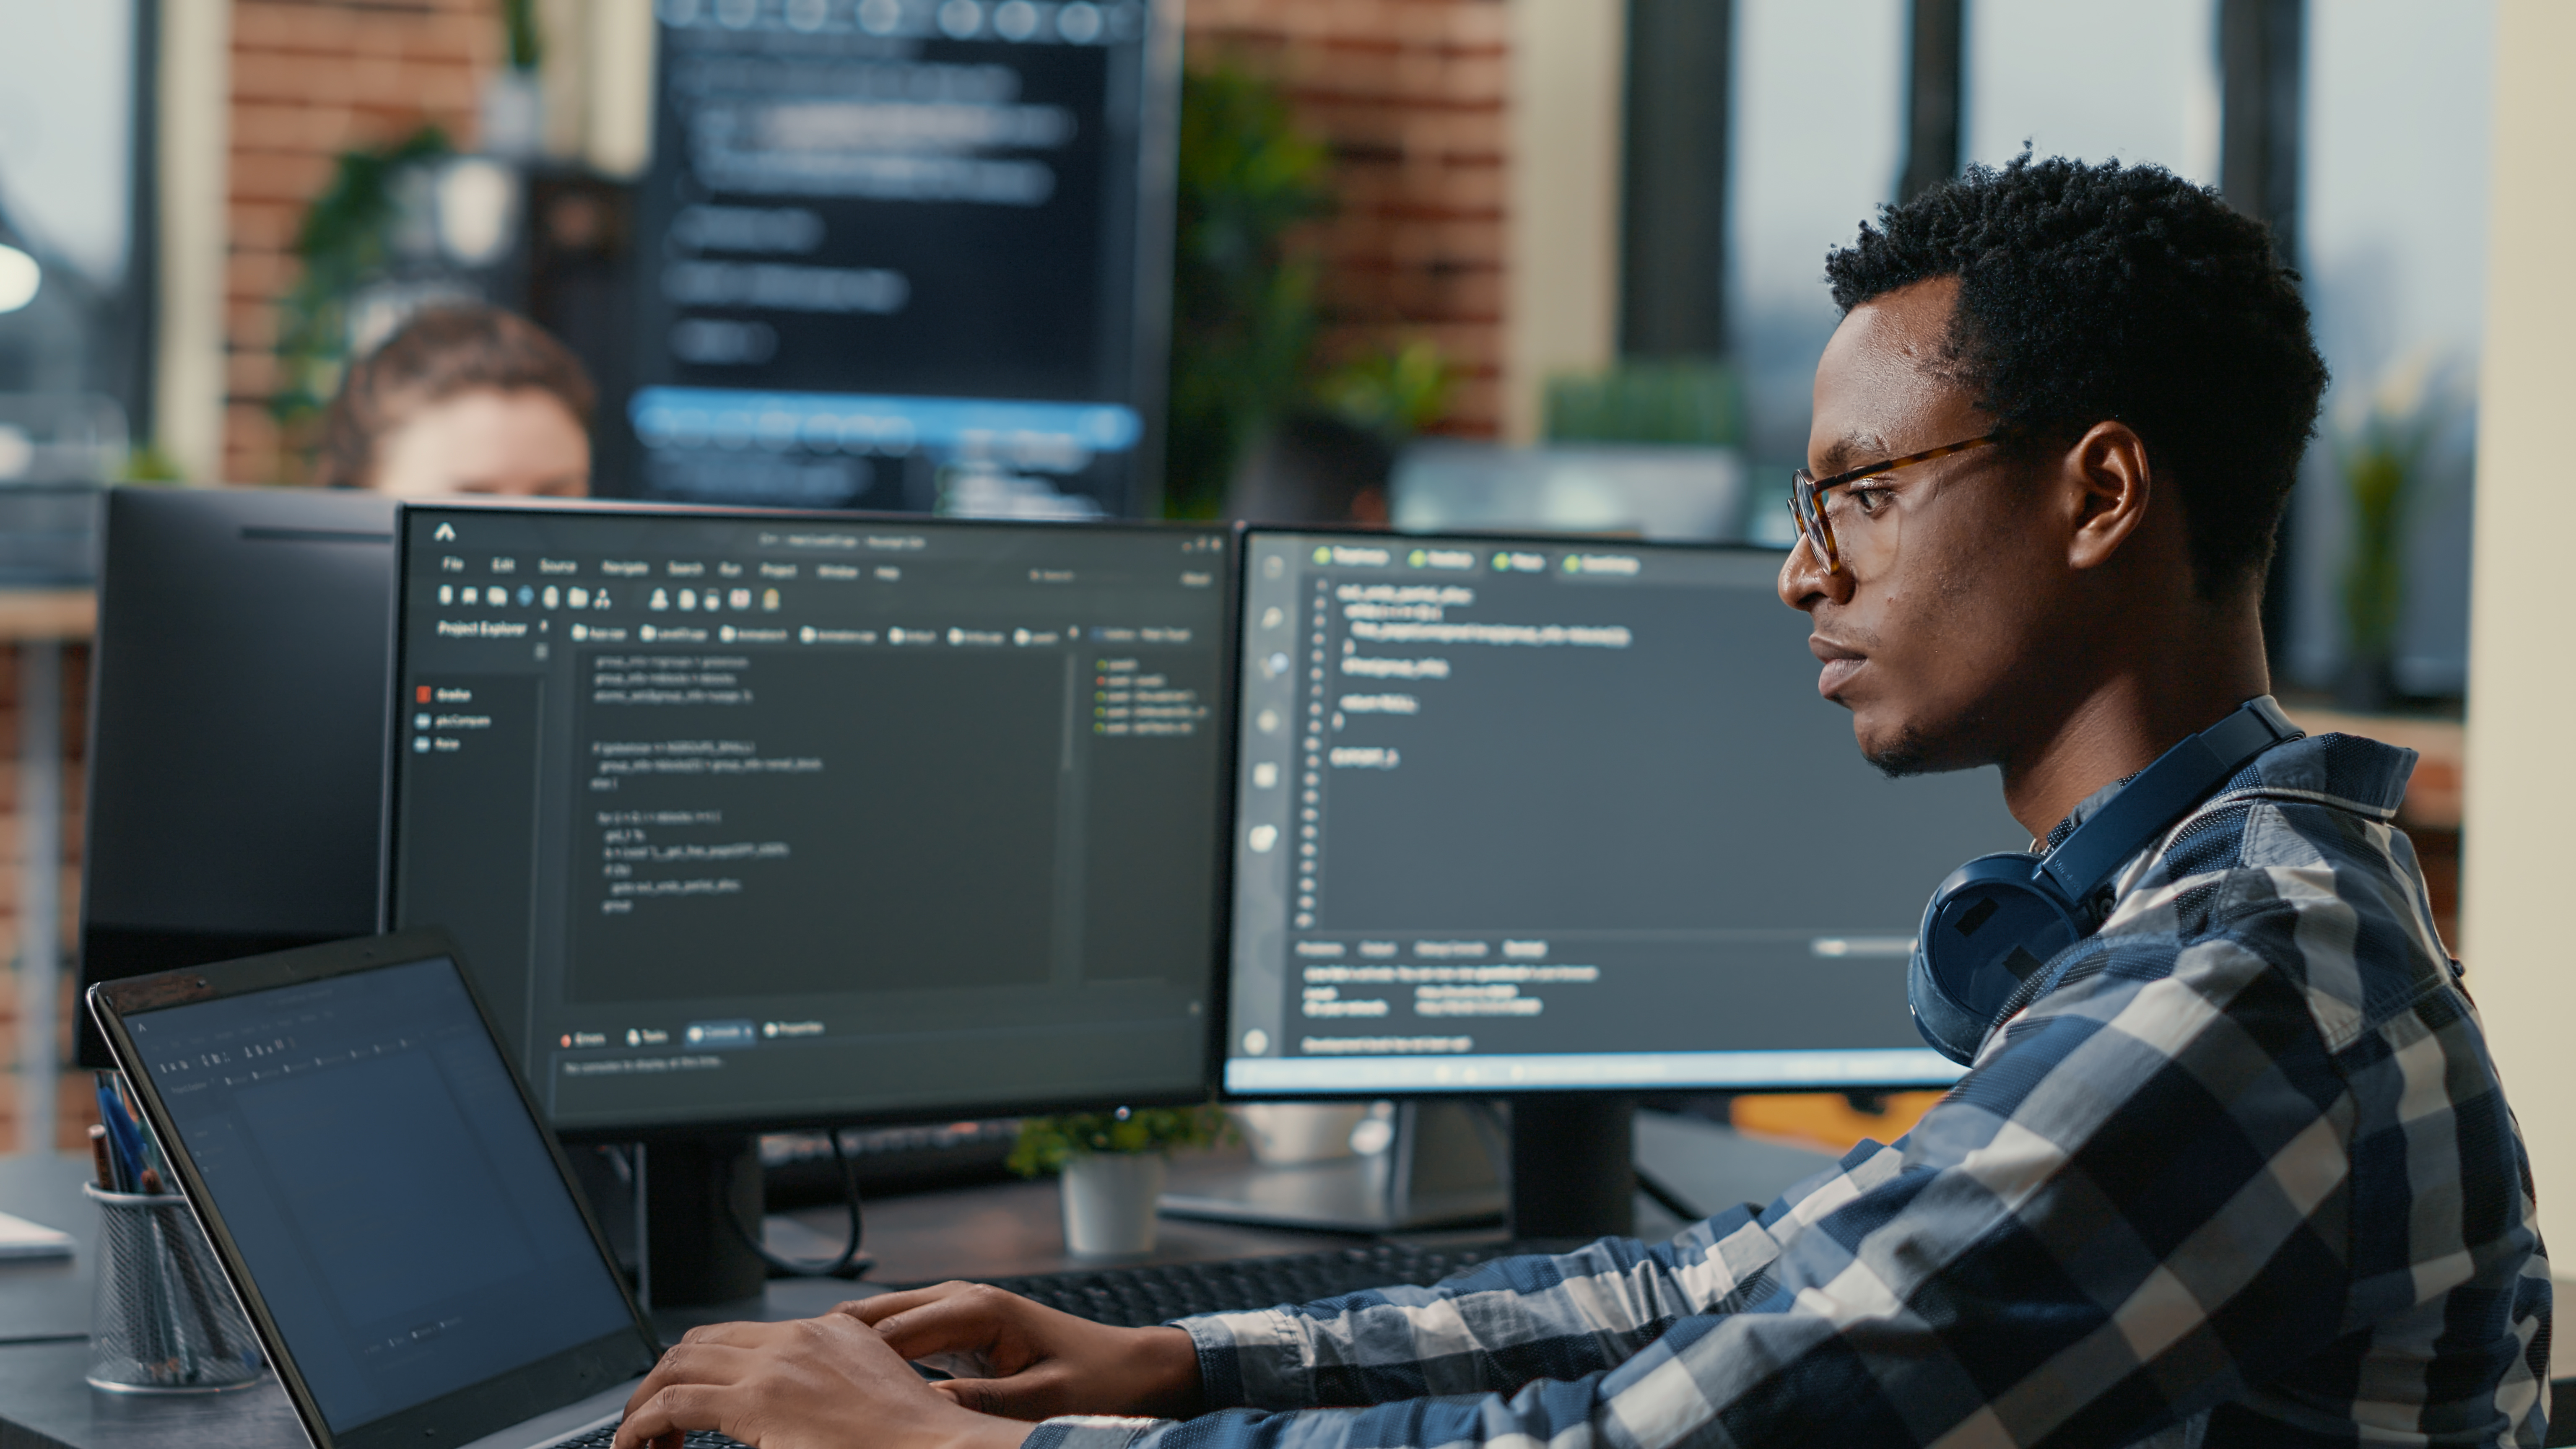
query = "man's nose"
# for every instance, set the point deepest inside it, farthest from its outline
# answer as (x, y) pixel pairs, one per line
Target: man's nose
(1805, 581)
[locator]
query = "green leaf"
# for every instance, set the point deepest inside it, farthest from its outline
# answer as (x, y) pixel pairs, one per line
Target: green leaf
(1046, 1144)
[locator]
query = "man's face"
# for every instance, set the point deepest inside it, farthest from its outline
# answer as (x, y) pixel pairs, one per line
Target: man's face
(1935, 617)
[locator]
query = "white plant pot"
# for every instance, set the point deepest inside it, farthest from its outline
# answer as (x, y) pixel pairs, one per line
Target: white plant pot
(1109, 1203)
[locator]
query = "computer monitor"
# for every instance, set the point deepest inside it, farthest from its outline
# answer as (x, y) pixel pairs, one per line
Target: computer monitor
(237, 728)
(763, 819)
(1534, 816)
(1525, 816)
(917, 255)
(756, 820)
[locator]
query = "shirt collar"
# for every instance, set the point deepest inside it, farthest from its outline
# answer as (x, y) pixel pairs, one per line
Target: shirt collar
(2346, 769)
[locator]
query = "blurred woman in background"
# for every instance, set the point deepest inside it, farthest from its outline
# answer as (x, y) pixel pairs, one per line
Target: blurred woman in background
(462, 398)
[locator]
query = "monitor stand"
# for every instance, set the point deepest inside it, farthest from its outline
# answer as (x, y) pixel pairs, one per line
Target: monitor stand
(1574, 1165)
(1566, 1170)
(692, 1256)
(1438, 1171)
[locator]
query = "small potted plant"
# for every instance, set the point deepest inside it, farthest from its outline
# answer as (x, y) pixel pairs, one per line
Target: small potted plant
(1113, 1165)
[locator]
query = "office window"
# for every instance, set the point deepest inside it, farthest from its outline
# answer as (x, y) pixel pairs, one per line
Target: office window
(67, 192)
(2393, 213)
(1817, 130)
(2093, 79)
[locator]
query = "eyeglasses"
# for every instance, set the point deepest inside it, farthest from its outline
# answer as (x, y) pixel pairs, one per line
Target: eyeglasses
(1807, 502)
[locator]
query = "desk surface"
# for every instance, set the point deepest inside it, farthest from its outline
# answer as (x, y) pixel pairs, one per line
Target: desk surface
(47, 1299)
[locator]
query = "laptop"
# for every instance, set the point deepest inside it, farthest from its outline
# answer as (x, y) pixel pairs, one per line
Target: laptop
(403, 1232)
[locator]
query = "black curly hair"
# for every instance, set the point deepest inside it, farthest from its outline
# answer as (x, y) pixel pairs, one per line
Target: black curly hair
(2089, 293)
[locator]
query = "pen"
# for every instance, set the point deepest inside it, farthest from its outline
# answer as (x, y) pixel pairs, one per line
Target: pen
(152, 1168)
(120, 1170)
(133, 1156)
(98, 1155)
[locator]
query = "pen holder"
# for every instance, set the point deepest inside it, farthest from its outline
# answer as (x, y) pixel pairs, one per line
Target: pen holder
(166, 1321)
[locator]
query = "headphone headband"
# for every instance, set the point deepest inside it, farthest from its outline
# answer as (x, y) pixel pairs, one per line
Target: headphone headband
(2162, 793)
(1999, 918)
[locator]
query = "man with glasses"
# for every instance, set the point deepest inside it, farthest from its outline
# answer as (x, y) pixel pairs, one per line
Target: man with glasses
(2233, 1170)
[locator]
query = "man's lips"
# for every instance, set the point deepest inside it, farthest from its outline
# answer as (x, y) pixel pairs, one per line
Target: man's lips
(1840, 664)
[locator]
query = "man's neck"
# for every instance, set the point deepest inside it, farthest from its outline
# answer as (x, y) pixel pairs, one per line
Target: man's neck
(2133, 709)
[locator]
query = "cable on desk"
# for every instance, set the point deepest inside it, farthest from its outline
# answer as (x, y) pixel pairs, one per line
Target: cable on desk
(850, 1264)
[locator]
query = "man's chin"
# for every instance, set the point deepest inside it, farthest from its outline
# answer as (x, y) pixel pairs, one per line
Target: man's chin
(1909, 749)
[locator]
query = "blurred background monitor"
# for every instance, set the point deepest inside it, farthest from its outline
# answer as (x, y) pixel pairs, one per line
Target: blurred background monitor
(907, 256)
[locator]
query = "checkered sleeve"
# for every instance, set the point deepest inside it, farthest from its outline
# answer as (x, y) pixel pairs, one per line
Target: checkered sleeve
(2133, 1214)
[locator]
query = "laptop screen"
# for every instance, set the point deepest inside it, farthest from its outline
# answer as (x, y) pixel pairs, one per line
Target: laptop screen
(383, 1183)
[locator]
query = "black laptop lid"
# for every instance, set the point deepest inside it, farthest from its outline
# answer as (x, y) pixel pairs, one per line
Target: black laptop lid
(379, 1188)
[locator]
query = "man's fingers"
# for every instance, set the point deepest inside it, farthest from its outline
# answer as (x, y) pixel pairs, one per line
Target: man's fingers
(1011, 1398)
(660, 1420)
(957, 1322)
(703, 1363)
(743, 1335)
(883, 1306)
(687, 1366)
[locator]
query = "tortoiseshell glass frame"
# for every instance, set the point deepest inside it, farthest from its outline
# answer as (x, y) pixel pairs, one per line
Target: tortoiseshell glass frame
(1804, 491)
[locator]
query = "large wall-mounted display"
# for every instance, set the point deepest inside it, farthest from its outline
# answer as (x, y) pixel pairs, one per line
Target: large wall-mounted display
(906, 254)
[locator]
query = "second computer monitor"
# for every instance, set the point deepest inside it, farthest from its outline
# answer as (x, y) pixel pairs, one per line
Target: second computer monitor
(750, 820)
(1544, 815)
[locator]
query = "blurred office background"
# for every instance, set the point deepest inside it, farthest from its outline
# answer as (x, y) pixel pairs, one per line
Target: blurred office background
(1487, 224)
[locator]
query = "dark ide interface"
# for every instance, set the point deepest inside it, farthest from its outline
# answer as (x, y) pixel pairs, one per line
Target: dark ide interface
(765, 817)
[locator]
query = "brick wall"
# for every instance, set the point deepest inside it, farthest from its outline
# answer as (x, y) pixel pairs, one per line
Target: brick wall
(72, 1110)
(310, 79)
(1410, 95)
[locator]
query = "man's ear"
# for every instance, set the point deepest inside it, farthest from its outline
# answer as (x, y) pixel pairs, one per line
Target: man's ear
(2108, 485)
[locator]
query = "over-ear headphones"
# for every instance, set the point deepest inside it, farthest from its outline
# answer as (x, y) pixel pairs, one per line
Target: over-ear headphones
(1999, 918)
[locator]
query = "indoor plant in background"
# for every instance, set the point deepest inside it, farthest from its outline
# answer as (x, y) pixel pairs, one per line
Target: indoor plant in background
(1243, 299)
(1113, 1165)
(2381, 460)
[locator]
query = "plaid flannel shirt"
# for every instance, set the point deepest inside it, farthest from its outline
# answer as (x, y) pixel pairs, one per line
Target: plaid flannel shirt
(2241, 1173)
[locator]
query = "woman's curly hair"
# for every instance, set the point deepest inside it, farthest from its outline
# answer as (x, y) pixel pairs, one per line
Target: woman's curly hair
(2089, 293)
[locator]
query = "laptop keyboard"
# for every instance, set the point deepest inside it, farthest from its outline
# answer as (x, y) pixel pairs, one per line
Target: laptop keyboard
(1142, 1296)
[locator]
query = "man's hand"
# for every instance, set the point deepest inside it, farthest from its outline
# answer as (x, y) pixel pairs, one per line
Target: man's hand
(1038, 1362)
(814, 1383)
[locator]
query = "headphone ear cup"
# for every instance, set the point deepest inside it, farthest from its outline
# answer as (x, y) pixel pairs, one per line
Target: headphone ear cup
(1945, 1025)
(1993, 923)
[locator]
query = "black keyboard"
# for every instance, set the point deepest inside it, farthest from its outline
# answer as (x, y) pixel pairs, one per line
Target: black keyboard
(798, 1171)
(1141, 1296)
(695, 1439)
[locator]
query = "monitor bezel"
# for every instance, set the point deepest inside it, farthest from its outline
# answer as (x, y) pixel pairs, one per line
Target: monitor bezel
(462, 1414)
(1244, 533)
(1212, 1035)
